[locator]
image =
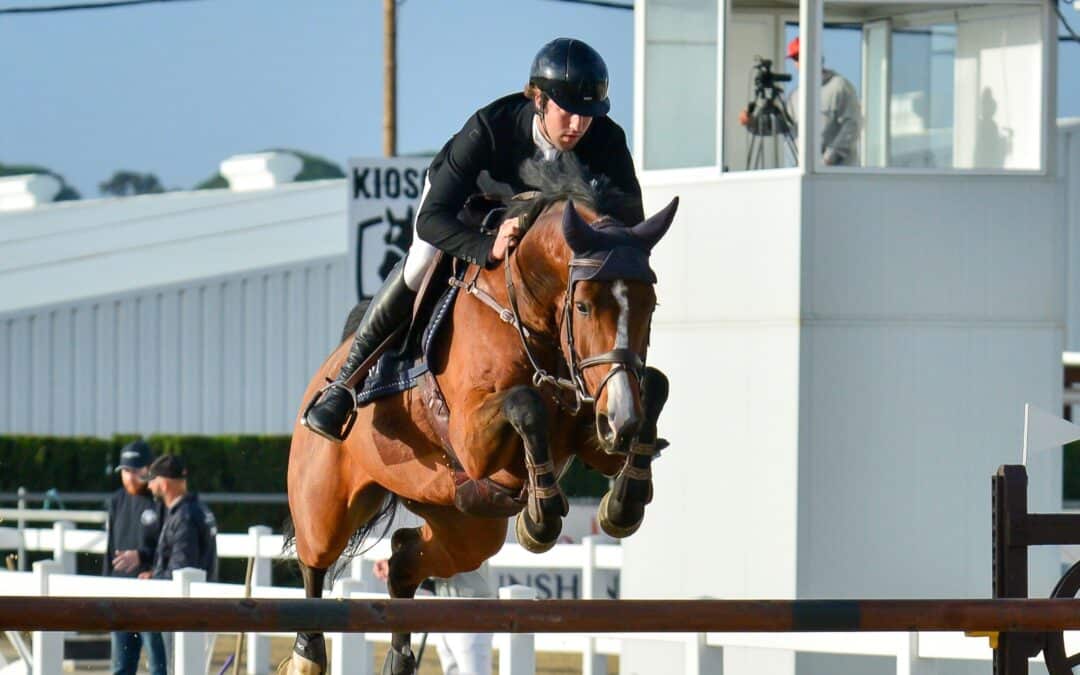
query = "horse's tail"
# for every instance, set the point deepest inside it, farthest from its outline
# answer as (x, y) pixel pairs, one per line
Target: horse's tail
(355, 547)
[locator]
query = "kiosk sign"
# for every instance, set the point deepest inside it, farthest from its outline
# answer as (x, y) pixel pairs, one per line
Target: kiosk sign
(384, 194)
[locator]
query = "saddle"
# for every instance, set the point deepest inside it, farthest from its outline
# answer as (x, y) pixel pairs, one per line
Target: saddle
(405, 365)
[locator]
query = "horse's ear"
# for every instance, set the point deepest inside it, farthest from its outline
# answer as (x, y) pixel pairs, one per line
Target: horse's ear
(581, 237)
(649, 231)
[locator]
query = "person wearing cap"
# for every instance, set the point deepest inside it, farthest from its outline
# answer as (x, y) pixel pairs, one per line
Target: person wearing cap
(189, 533)
(563, 109)
(841, 115)
(131, 534)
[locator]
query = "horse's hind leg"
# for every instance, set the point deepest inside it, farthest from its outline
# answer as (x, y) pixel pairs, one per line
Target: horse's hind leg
(326, 511)
(623, 508)
(309, 650)
(539, 525)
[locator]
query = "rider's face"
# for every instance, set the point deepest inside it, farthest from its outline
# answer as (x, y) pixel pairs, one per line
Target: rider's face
(564, 129)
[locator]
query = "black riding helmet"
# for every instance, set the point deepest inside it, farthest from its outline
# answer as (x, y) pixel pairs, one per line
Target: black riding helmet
(573, 75)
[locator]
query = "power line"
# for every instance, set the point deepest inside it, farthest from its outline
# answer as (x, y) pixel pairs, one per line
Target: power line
(601, 3)
(84, 5)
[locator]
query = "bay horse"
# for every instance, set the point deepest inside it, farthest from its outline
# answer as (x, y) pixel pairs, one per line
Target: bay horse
(555, 371)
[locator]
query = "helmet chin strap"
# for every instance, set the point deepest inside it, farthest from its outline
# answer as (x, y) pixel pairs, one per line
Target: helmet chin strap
(544, 131)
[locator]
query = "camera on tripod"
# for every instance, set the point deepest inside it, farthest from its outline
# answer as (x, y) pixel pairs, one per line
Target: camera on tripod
(767, 115)
(766, 79)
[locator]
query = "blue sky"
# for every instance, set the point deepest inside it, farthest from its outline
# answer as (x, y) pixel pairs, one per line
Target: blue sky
(174, 89)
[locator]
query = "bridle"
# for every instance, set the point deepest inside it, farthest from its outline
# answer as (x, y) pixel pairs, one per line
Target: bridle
(622, 359)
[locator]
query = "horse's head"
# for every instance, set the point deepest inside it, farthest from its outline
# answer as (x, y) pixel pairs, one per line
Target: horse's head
(607, 313)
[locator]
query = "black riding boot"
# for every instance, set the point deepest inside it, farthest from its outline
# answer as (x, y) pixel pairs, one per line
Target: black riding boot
(391, 306)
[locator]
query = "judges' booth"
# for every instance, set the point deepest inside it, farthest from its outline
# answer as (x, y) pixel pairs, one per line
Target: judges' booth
(938, 85)
(834, 329)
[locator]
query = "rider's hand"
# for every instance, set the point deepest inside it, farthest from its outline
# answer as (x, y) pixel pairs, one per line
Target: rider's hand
(506, 239)
(381, 568)
(744, 117)
(125, 561)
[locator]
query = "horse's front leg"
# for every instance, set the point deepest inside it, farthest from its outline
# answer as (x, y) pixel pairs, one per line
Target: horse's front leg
(623, 507)
(539, 525)
(488, 433)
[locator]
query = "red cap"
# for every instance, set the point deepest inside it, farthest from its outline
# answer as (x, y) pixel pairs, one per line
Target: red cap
(793, 48)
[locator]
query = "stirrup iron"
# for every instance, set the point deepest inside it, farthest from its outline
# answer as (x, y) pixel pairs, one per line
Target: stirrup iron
(350, 418)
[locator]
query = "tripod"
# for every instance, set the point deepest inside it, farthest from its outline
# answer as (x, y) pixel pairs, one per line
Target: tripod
(768, 118)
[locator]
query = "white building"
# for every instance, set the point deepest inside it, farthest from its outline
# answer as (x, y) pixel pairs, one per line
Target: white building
(198, 312)
(851, 346)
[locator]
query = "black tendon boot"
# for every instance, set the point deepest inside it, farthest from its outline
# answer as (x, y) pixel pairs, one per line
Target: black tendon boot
(390, 307)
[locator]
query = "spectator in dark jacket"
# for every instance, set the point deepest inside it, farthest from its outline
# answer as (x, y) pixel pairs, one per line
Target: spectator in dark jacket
(132, 530)
(189, 533)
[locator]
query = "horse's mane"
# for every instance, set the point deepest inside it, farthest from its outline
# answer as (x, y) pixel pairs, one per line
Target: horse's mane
(561, 179)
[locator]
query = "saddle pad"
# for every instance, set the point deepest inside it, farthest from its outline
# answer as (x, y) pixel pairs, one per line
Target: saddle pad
(400, 369)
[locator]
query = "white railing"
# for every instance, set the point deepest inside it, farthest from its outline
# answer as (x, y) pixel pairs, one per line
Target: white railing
(517, 653)
(702, 652)
(261, 545)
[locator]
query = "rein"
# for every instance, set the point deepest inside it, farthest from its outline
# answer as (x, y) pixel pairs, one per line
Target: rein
(624, 360)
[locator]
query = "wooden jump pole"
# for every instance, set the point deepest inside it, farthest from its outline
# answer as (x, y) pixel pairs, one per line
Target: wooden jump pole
(532, 616)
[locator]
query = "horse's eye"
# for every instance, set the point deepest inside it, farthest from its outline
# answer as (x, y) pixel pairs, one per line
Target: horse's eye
(582, 307)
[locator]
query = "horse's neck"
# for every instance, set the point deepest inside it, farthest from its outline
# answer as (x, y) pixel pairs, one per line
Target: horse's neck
(539, 269)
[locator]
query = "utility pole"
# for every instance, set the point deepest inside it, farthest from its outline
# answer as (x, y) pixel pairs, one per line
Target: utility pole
(389, 78)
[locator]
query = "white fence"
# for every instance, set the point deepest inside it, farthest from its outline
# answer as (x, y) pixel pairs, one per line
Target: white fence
(590, 559)
(913, 652)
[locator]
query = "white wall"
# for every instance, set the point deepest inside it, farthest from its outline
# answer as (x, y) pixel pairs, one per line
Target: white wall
(1069, 157)
(221, 355)
(726, 333)
(850, 355)
(933, 310)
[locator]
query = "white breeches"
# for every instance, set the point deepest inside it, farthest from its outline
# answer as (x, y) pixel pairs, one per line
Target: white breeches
(420, 253)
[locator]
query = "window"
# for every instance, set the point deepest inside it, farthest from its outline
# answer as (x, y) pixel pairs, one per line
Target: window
(680, 83)
(955, 87)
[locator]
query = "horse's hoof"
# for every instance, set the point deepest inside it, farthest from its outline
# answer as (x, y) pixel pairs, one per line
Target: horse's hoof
(308, 656)
(295, 664)
(608, 521)
(399, 663)
(529, 542)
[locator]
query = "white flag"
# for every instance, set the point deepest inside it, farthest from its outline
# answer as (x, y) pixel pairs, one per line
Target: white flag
(1043, 430)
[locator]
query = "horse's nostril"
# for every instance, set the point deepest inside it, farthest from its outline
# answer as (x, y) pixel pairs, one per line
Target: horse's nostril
(604, 429)
(619, 430)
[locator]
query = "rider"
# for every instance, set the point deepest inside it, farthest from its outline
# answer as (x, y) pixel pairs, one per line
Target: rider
(564, 109)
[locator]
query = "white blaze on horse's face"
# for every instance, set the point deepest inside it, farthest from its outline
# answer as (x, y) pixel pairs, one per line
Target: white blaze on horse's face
(621, 403)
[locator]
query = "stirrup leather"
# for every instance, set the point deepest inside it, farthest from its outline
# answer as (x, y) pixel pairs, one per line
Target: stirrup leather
(350, 418)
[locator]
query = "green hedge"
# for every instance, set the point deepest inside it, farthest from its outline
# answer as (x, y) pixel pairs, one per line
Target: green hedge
(1070, 470)
(215, 464)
